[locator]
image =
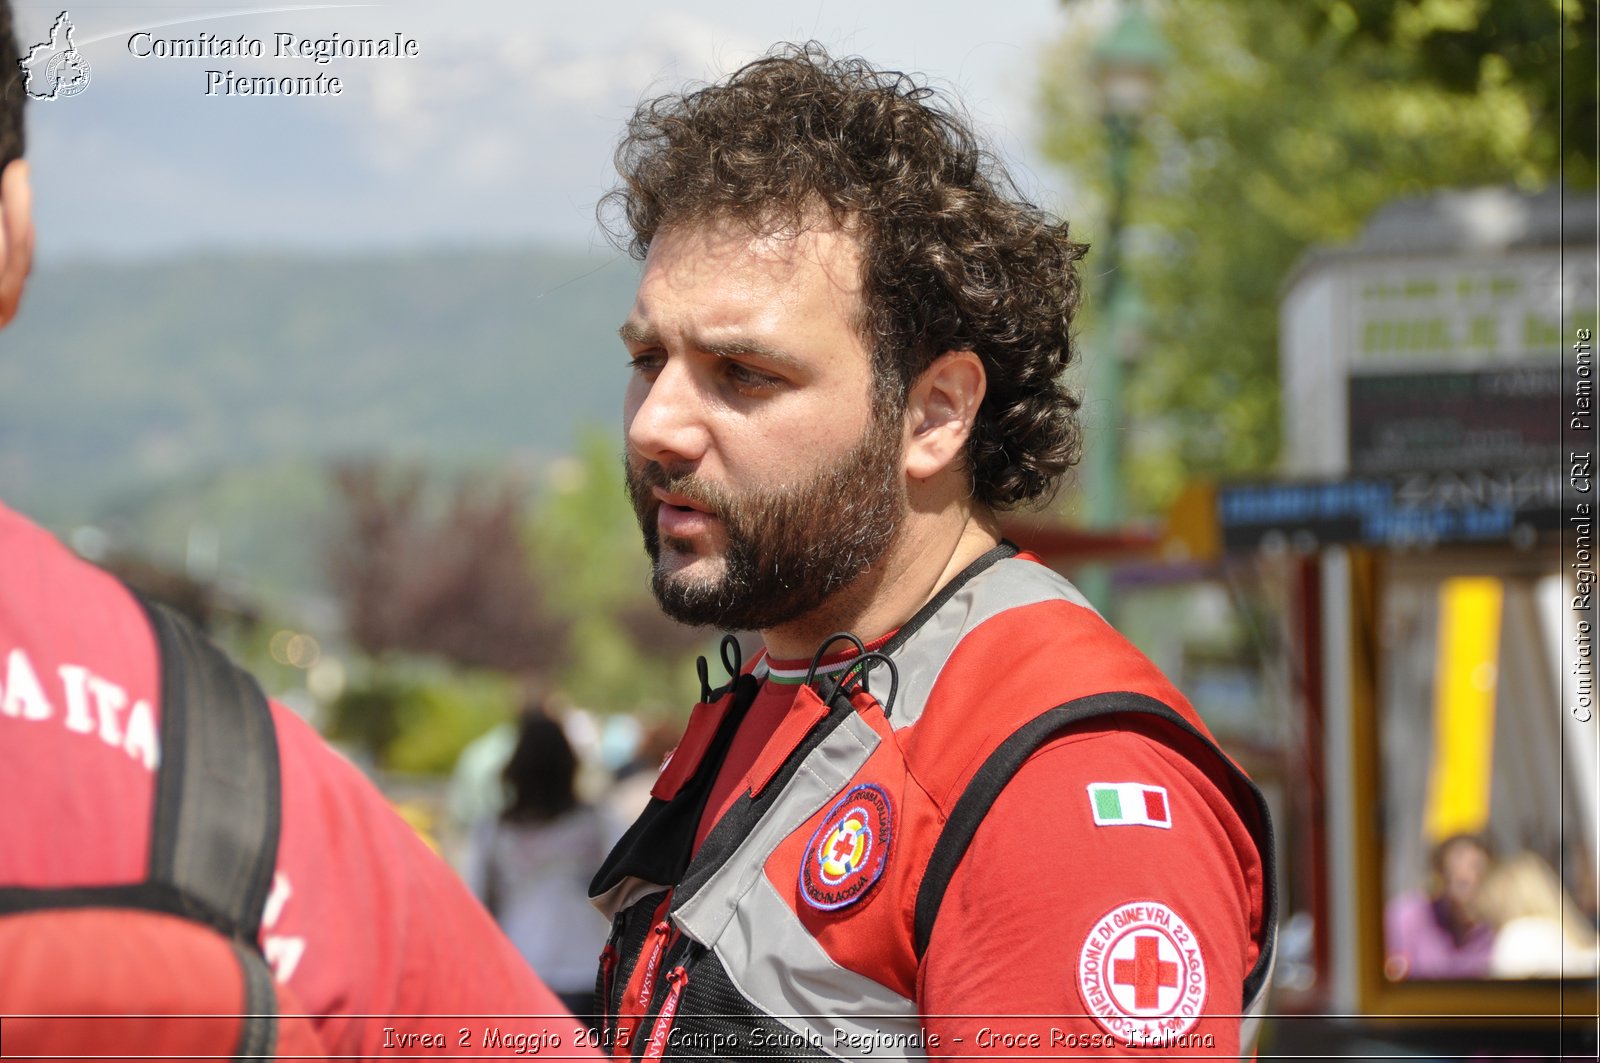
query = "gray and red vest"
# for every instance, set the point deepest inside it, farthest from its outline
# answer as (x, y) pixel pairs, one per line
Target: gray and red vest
(766, 942)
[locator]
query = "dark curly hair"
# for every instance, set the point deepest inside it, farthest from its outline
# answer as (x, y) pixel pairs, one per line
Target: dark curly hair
(954, 257)
(12, 95)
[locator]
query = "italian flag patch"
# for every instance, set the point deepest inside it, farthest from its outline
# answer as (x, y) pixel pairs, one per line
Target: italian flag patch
(1129, 804)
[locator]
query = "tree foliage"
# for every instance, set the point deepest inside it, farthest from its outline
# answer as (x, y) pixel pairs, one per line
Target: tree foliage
(1544, 50)
(415, 716)
(452, 581)
(1281, 127)
(455, 588)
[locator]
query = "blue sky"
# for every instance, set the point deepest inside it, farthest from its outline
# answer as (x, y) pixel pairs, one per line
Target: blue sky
(499, 131)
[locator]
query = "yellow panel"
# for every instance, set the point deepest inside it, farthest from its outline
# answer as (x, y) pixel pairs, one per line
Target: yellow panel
(1466, 677)
(1194, 530)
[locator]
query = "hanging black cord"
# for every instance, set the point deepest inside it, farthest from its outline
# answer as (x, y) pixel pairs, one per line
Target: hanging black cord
(822, 650)
(863, 667)
(704, 671)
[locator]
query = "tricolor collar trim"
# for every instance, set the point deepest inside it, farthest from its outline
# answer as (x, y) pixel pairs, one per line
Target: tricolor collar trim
(796, 676)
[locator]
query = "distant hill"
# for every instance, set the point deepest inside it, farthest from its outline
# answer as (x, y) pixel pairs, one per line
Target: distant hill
(146, 395)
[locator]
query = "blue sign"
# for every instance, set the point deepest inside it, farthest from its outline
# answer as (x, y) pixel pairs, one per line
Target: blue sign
(1418, 509)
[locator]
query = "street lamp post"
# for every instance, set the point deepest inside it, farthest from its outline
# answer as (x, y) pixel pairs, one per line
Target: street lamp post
(1128, 64)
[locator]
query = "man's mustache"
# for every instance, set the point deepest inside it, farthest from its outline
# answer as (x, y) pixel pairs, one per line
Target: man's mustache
(649, 475)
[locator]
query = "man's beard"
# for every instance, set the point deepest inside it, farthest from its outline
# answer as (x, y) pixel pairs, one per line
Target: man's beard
(789, 549)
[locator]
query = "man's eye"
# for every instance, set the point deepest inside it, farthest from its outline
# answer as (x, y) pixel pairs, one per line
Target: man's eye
(745, 377)
(645, 364)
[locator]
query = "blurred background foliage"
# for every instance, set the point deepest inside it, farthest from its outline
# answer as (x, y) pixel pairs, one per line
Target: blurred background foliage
(371, 453)
(468, 595)
(415, 716)
(1283, 126)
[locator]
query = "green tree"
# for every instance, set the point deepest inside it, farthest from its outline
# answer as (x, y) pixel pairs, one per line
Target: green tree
(415, 715)
(1281, 127)
(1543, 49)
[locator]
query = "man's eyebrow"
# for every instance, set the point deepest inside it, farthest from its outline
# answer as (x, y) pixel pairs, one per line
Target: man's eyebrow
(634, 333)
(644, 335)
(736, 348)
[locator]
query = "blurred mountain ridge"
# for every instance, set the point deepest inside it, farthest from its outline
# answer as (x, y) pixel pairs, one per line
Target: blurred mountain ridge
(147, 396)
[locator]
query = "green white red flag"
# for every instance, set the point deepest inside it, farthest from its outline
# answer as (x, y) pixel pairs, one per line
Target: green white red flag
(1119, 804)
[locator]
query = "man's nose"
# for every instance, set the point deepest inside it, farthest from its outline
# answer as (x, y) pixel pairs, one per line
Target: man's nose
(665, 419)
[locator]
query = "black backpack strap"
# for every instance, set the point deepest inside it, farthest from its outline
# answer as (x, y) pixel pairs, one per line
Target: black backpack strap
(1002, 765)
(217, 814)
(218, 805)
(258, 1033)
(214, 838)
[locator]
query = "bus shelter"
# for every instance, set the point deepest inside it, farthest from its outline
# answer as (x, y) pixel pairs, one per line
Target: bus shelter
(1438, 792)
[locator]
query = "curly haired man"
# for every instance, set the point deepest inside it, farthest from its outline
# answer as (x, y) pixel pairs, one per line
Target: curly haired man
(978, 821)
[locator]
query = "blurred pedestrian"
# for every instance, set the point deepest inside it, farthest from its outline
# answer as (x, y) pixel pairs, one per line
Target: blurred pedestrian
(1443, 933)
(531, 862)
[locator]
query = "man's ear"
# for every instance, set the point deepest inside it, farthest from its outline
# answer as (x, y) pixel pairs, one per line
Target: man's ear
(16, 236)
(940, 411)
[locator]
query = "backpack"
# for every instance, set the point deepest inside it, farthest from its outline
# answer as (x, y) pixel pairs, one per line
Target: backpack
(169, 966)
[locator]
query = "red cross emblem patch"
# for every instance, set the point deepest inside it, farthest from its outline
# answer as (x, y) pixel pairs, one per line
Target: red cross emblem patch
(1141, 973)
(848, 851)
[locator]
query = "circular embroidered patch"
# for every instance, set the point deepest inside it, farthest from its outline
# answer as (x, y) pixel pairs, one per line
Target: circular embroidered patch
(1141, 973)
(848, 852)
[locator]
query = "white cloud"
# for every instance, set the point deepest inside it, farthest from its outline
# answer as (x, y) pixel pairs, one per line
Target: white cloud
(502, 128)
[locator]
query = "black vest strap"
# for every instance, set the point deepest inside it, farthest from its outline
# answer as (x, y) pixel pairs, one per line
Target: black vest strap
(992, 777)
(217, 806)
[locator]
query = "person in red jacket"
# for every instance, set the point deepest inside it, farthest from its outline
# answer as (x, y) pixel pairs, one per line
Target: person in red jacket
(363, 926)
(991, 827)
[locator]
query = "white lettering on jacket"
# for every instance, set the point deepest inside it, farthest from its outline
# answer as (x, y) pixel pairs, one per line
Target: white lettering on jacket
(283, 952)
(94, 707)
